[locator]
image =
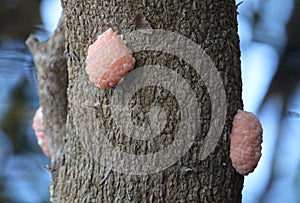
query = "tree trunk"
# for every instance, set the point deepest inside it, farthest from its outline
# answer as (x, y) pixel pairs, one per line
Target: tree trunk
(81, 175)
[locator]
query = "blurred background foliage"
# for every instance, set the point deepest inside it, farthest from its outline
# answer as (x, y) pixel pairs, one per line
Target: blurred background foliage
(270, 43)
(23, 173)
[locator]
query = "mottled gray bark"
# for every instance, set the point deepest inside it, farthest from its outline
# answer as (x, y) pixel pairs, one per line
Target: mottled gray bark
(79, 177)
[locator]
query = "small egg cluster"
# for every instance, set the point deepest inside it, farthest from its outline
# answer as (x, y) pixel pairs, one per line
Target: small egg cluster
(38, 127)
(108, 60)
(245, 142)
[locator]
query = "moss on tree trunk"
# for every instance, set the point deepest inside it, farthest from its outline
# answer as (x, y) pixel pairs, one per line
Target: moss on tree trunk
(78, 176)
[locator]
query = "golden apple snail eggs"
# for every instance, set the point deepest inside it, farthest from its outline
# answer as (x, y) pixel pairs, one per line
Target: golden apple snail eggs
(108, 60)
(38, 127)
(245, 142)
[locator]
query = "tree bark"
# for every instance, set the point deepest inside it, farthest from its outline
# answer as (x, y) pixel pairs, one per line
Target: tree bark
(79, 176)
(52, 77)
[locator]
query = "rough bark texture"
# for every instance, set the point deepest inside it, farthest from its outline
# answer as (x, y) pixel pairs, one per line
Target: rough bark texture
(80, 178)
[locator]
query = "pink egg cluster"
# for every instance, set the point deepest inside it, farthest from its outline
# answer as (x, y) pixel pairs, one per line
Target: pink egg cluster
(108, 60)
(38, 127)
(245, 142)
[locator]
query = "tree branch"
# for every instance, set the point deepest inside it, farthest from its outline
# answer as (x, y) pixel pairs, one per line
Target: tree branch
(52, 76)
